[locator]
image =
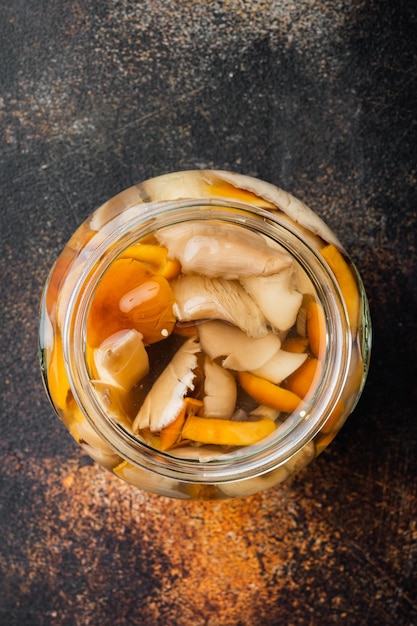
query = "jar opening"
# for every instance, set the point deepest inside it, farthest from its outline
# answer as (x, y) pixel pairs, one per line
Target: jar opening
(139, 223)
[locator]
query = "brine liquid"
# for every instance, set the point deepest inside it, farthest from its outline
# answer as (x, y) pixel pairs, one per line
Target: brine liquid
(228, 333)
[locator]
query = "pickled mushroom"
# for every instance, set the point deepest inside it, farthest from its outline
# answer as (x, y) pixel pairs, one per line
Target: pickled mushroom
(265, 412)
(276, 297)
(146, 479)
(200, 297)
(286, 202)
(165, 400)
(173, 186)
(281, 365)
(238, 351)
(220, 250)
(219, 391)
(88, 439)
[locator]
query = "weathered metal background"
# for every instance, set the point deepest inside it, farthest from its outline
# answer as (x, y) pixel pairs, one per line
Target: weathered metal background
(317, 97)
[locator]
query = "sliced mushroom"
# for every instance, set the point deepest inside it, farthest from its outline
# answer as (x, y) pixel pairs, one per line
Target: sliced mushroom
(175, 185)
(200, 297)
(165, 399)
(281, 365)
(199, 452)
(226, 250)
(276, 297)
(146, 479)
(291, 206)
(239, 352)
(88, 439)
(262, 411)
(220, 391)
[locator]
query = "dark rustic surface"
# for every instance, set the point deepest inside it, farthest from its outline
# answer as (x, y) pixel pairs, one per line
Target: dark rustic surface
(318, 97)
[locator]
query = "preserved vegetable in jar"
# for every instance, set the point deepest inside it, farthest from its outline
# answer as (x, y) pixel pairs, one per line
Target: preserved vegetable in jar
(204, 334)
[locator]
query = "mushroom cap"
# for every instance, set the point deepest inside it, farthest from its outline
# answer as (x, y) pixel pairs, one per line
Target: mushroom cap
(220, 391)
(238, 351)
(164, 401)
(221, 250)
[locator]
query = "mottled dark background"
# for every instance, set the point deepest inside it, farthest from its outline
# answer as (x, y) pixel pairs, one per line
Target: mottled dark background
(318, 97)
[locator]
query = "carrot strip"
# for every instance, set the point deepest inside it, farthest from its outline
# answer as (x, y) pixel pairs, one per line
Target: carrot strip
(58, 383)
(222, 432)
(331, 427)
(155, 257)
(269, 394)
(334, 417)
(171, 433)
(297, 345)
(316, 328)
(225, 189)
(302, 380)
(346, 280)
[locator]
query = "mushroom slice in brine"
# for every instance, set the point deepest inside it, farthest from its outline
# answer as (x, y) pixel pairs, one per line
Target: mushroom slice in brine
(276, 297)
(165, 399)
(281, 365)
(220, 391)
(238, 351)
(226, 250)
(200, 297)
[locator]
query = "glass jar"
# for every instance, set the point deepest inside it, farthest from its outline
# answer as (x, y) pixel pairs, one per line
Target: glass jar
(100, 368)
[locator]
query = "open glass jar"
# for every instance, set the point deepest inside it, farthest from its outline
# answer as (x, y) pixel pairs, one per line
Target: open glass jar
(204, 335)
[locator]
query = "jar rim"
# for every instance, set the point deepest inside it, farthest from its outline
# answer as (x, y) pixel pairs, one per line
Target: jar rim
(297, 430)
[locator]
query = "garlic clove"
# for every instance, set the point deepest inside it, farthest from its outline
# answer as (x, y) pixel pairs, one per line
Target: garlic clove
(200, 297)
(121, 359)
(239, 352)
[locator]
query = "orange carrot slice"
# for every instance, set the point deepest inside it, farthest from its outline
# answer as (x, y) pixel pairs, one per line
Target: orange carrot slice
(346, 280)
(297, 345)
(269, 394)
(225, 189)
(334, 418)
(171, 433)
(58, 383)
(222, 432)
(302, 381)
(331, 428)
(155, 258)
(316, 328)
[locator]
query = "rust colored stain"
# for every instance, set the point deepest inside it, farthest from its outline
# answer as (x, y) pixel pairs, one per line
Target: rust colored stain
(94, 547)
